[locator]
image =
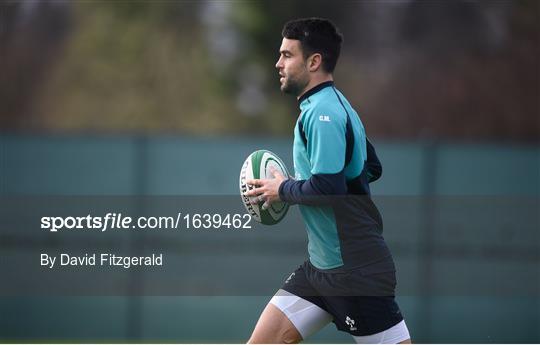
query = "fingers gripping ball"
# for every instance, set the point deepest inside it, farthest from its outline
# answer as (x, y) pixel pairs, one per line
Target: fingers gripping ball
(258, 165)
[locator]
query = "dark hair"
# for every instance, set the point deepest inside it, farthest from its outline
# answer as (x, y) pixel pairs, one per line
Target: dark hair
(316, 35)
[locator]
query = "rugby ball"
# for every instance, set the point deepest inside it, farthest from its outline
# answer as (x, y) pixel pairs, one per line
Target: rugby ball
(257, 166)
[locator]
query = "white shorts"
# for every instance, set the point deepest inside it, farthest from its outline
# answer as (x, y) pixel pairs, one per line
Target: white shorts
(309, 318)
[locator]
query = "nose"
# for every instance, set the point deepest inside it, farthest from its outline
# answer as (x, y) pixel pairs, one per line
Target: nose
(279, 63)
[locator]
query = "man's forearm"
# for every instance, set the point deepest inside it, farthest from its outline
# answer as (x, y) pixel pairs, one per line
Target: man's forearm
(314, 191)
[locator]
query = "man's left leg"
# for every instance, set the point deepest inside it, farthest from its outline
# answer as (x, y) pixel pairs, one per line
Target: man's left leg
(397, 334)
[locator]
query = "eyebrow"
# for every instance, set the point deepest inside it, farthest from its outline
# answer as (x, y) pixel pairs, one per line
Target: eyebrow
(285, 51)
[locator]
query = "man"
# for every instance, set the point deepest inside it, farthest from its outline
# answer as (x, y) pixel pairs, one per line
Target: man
(349, 278)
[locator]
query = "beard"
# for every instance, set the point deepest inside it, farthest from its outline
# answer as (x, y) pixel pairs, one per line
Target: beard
(293, 86)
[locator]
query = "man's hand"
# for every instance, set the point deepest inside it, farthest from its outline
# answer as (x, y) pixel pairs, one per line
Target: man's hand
(267, 189)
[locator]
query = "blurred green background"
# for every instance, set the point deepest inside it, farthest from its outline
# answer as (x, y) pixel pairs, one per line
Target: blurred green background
(145, 97)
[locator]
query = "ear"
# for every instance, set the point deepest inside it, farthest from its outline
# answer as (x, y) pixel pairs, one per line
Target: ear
(314, 62)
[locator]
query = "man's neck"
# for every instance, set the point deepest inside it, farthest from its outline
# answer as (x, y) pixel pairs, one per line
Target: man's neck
(314, 82)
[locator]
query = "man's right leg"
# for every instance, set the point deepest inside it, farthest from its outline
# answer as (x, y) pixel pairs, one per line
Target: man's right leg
(274, 327)
(288, 319)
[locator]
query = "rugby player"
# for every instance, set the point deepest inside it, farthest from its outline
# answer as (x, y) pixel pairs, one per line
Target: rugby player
(349, 278)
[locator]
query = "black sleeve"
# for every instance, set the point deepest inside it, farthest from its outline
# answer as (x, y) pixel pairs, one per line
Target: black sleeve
(319, 187)
(373, 165)
(314, 191)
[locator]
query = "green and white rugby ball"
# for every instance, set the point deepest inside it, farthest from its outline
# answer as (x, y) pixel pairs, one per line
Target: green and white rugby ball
(257, 166)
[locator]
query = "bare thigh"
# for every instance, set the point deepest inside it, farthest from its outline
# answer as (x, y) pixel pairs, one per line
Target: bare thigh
(274, 327)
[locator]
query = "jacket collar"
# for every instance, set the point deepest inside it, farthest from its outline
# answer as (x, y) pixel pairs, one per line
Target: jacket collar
(314, 90)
